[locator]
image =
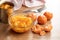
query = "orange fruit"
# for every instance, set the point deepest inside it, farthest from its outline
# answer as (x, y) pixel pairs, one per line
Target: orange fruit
(48, 28)
(37, 28)
(42, 19)
(32, 15)
(48, 15)
(42, 33)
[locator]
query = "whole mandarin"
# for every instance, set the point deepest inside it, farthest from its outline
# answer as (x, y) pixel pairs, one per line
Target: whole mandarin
(42, 19)
(48, 15)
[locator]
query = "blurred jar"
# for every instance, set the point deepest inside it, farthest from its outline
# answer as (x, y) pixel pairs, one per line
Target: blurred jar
(6, 9)
(17, 3)
(20, 23)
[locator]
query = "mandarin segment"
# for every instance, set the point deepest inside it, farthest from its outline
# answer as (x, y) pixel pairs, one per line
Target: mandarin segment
(42, 33)
(32, 15)
(37, 28)
(48, 28)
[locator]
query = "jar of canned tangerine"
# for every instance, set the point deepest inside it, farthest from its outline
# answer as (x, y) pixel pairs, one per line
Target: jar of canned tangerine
(20, 22)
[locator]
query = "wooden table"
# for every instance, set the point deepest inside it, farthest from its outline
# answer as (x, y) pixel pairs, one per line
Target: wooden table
(54, 7)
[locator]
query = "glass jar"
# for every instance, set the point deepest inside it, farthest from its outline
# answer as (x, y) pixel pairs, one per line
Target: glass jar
(6, 9)
(17, 3)
(20, 22)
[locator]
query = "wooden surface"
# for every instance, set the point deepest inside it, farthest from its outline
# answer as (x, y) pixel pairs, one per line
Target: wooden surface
(54, 7)
(6, 34)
